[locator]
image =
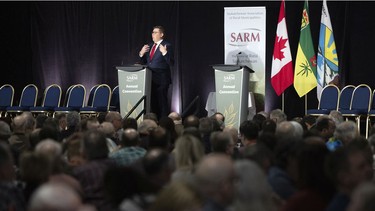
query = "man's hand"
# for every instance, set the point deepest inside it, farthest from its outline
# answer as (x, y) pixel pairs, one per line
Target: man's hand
(163, 49)
(144, 49)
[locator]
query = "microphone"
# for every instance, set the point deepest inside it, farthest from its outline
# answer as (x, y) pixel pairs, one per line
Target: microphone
(238, 58)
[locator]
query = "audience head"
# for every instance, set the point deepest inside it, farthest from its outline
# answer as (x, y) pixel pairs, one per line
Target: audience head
(146, 126)
(250, 195)
(178, 196)
(289, 130)
(176, 117)
(39, 120)
(61, 119)
(269, 126)
(115, 118)
(278, 116)
(56, 197)
(336, 116)
(7, 172)
(214, 177)
(249, 131)
(191, 121)
(222, 142)
(73, 119)
(157, 166)
(5, 131)
(129, 123)
(90, 123)
(346, 132)
(350, 166)
(94, 145)
(73, 149)
(363, 198)
(50, 148)
(206, 125)
(188, 152)
(130, 137)
(159, 138)
(309, 121)
(260, 154)
(107, 129)
(326, 127)
(259, 119)
(151, 116)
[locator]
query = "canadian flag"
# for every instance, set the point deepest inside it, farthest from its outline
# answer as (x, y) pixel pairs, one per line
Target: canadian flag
(282, 67)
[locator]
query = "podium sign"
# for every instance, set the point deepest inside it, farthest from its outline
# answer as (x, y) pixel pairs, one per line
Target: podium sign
(232, 93)
(134, 82)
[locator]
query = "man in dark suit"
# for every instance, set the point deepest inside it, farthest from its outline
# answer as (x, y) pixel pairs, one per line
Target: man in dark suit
(158, 56)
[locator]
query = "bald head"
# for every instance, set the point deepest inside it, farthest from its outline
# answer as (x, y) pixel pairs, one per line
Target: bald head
(214, 176)
(130, 137)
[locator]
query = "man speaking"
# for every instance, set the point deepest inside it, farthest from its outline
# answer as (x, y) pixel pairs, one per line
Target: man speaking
(158, 56)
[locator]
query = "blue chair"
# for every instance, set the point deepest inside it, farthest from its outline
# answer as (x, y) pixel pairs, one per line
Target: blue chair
(27, 100)
(91, 95)
(75, 101)
(115, 100)
(346, 97)
(6, 97)
(360, 104)
(371, 115)
(67, 95)
(328, 101)
(51, 100)
(100, 101)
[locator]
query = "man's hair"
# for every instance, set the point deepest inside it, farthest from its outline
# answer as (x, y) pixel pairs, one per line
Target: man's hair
(130, 137)
(95, 145)
(161, 29)
(73, 119)
(249, 129)
(220, 141)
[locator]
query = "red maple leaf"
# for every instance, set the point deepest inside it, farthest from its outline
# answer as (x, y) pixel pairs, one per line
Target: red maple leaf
(279, 45)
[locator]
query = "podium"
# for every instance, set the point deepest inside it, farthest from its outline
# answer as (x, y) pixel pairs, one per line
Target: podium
(134, 82)
(232, 93)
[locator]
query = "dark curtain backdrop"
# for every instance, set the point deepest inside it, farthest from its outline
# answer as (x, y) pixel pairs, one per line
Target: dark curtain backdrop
(82, 42)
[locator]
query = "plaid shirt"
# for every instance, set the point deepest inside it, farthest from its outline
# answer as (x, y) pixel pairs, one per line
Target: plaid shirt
(127, 155)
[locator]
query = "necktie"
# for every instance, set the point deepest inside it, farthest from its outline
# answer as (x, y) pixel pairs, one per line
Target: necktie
(152, 51)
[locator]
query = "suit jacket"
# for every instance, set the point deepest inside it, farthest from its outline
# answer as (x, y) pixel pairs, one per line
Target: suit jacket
(159, 65)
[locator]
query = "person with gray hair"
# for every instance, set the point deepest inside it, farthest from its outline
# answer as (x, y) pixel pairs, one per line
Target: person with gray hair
(222, 142)
(215, 176)
(278, 116)
(130, 150)
(289, 130)
(5, 132)
(346, 132)
(11, 196)
(73, 120)
(22, 126)
(363, 198)
(336, 116)
(57, 197)
(250, 195)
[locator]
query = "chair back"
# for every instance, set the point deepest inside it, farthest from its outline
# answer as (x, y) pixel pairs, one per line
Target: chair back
(102, 96)
(373, 101)
(6, 95)
(115, 99)
(91, 95)
(65, 103)
(52, 96)
(329, 98)
(346, 97)
(361, 98)
(76, 98)
(29, 96)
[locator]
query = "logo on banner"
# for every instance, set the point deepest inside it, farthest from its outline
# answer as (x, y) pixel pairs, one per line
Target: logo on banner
(244, 37)
(131, 78)
(229, 78)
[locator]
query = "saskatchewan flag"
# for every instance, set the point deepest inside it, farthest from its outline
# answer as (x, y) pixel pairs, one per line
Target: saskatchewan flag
(305, 66)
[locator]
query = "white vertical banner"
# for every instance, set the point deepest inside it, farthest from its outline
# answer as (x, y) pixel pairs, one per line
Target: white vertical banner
(245, 44)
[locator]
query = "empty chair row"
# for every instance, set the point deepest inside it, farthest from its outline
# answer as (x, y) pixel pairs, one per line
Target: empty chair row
(101, 99)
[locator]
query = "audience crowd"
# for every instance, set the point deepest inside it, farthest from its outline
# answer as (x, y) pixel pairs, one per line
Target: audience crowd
(71, 162)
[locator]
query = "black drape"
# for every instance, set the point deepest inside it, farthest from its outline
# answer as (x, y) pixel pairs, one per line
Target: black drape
(82, 42)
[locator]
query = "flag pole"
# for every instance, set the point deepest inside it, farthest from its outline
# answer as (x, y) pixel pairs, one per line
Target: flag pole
(305, 104)
(282, 102)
